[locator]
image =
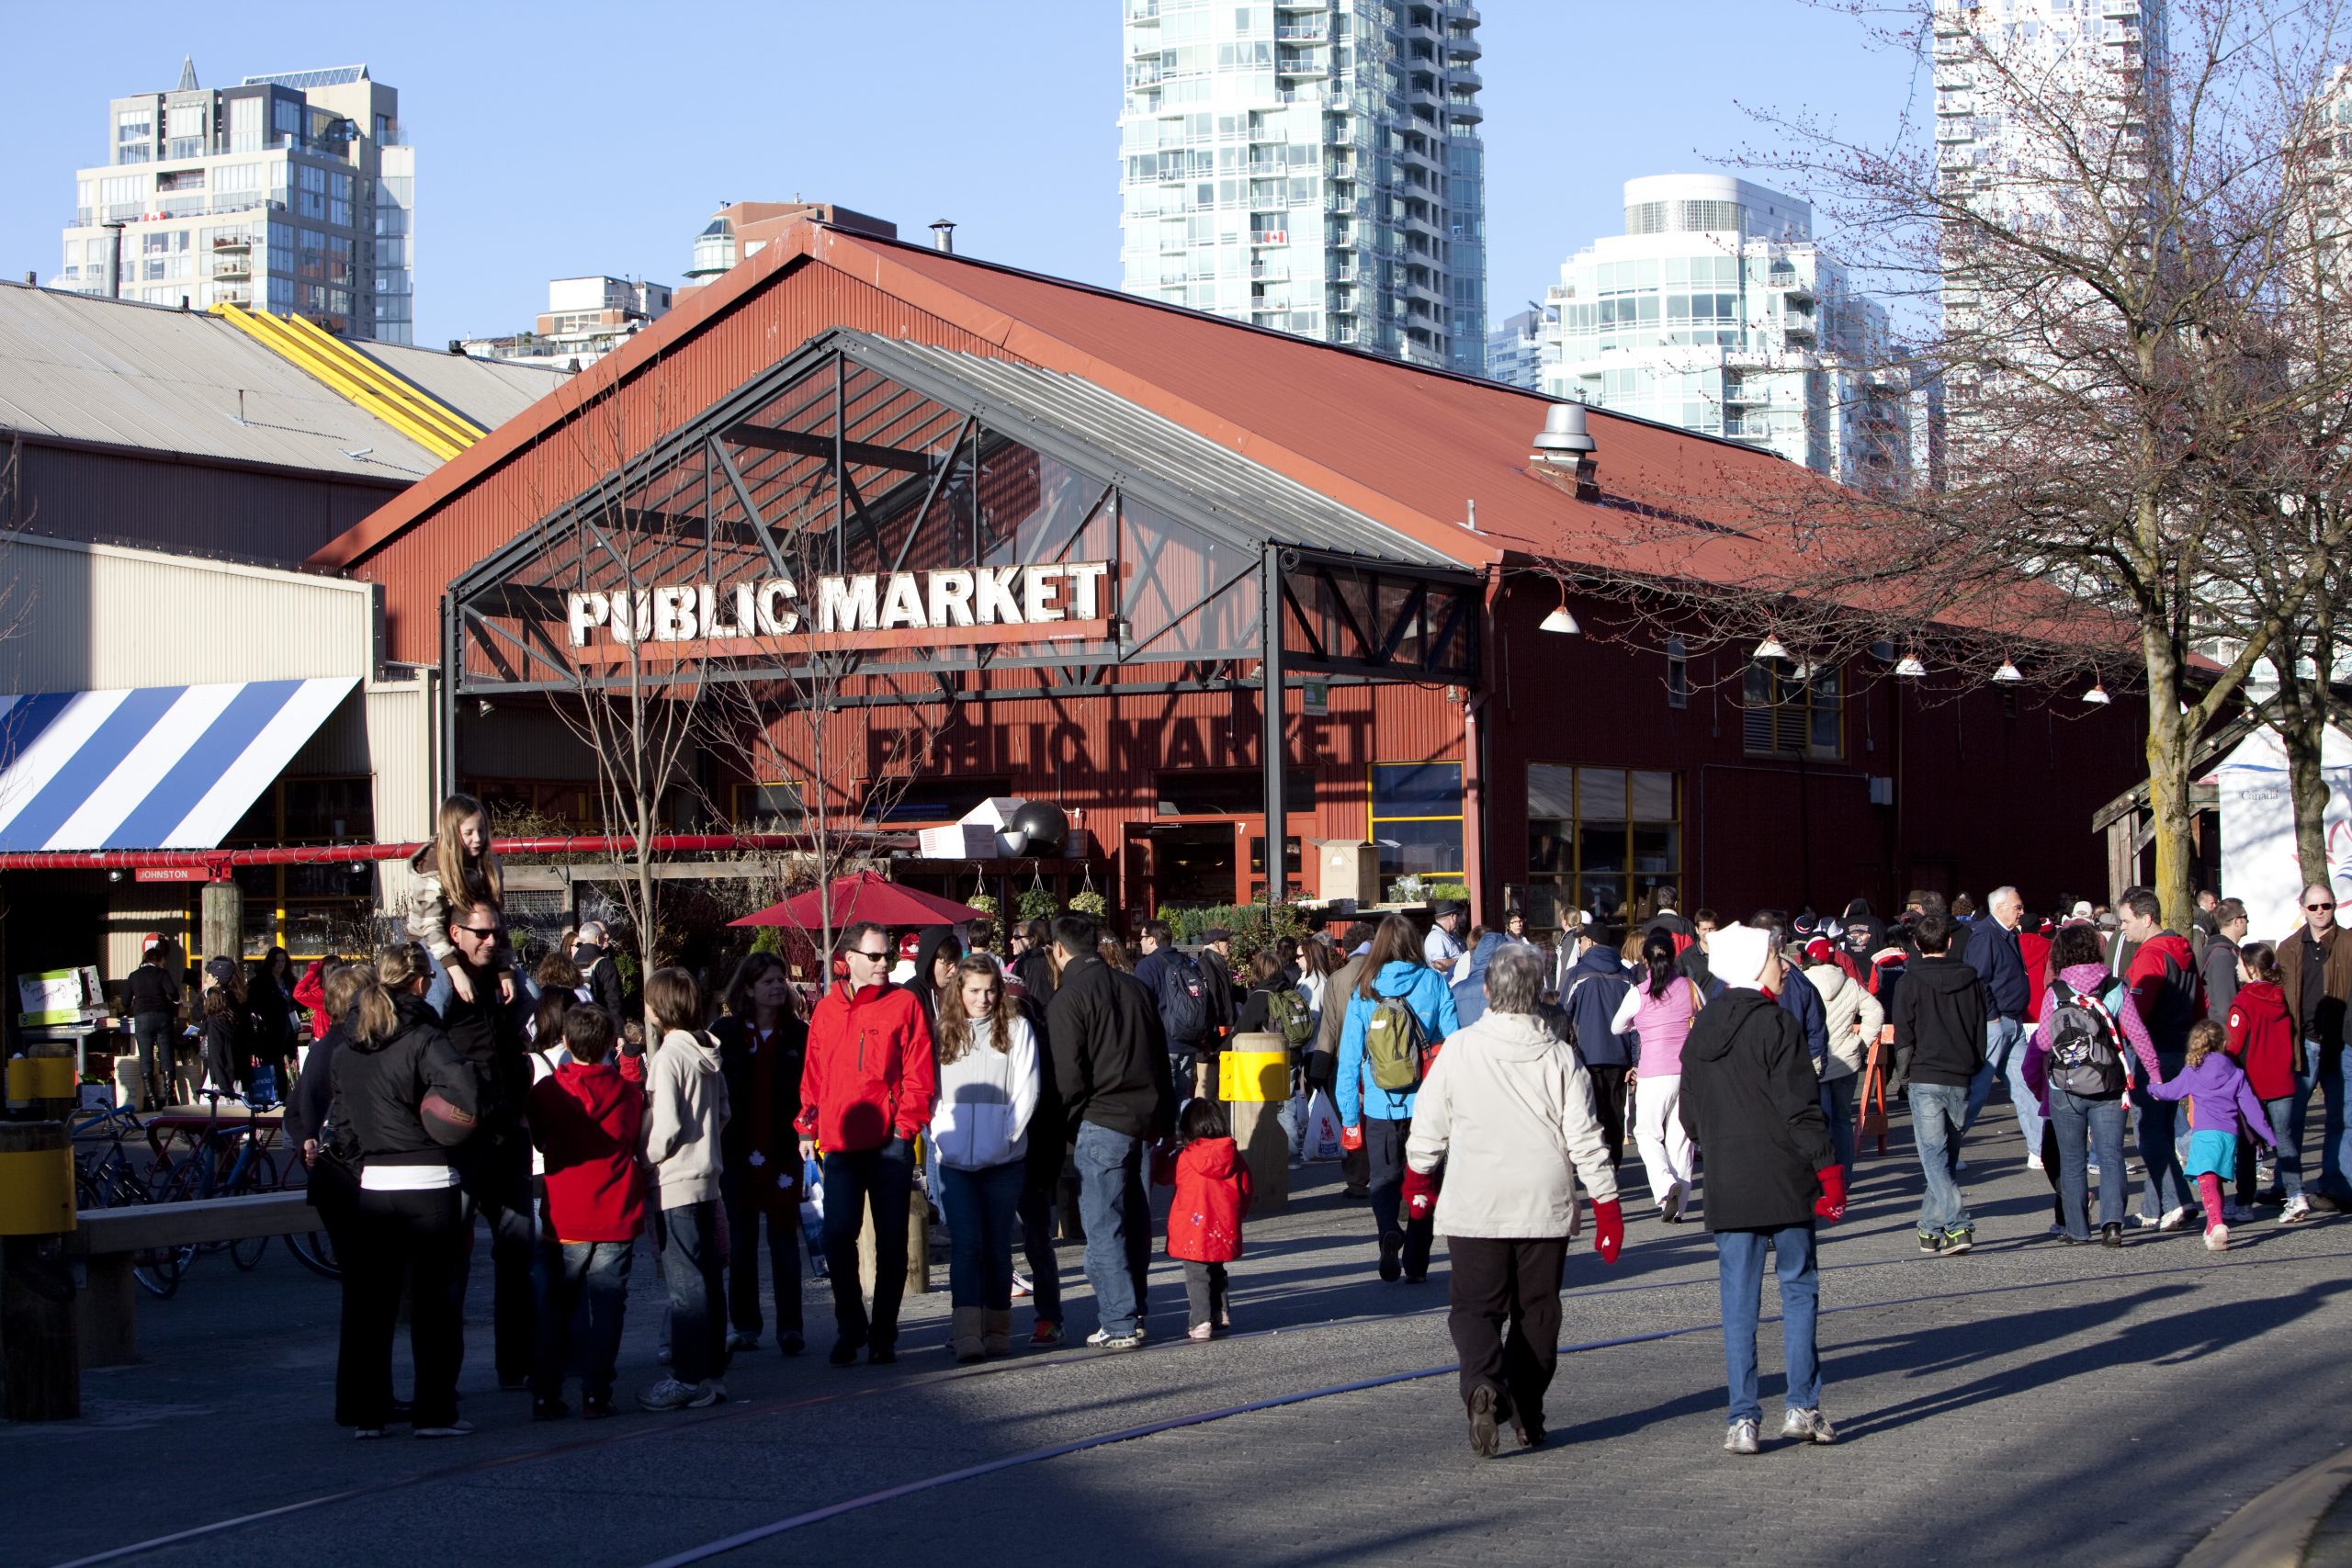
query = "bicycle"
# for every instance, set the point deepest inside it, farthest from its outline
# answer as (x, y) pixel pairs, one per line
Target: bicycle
(106, 1177)
(223, 1161)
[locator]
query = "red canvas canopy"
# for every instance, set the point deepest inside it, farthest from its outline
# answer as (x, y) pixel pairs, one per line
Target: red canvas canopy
(864, 897)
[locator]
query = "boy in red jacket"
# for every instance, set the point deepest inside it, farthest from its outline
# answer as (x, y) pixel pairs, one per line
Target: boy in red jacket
(585, 1117)
(2262, 1039)
(1204, 1217)
(866, 1094)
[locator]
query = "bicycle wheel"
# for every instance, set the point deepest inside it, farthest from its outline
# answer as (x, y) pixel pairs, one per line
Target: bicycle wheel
(314, 1251)
(244, 1182)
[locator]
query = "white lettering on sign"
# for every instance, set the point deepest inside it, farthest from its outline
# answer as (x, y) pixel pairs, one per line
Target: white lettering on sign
(844, 604)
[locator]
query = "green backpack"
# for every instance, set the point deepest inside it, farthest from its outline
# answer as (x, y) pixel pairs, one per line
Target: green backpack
(1395, 1046)
(1286, 1011)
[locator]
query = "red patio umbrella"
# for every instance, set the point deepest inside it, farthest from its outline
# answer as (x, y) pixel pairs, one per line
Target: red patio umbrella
(864, 897)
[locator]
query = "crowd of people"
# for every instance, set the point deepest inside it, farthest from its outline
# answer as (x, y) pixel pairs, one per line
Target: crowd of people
(1485, 1089)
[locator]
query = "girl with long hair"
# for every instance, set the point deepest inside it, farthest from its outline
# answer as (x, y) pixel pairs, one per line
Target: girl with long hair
(1660, 1009)
(1398, 997)
(457, 874)
(980, 1136)
(763, 1045)
(686, 1114)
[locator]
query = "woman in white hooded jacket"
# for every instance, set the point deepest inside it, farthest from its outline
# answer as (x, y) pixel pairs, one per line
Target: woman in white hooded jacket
(1854, 1019)
(979, 1135)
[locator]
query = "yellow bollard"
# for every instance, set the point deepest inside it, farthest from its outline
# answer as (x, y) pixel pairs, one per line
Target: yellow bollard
(1253, 1081)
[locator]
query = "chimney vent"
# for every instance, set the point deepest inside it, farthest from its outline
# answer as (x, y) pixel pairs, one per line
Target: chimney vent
(1565, 445)
(942, 236)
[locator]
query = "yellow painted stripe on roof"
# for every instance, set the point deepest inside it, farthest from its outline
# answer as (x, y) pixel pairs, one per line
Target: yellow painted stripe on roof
(353, 375)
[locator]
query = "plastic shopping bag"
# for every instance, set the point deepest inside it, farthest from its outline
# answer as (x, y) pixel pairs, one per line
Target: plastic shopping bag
(1322, 1129)
(812, 1215)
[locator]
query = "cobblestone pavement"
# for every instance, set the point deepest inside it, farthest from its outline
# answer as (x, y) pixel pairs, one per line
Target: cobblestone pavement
(2025, 1403)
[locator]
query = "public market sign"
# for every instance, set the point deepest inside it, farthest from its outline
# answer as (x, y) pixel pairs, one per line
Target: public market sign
(985, 604)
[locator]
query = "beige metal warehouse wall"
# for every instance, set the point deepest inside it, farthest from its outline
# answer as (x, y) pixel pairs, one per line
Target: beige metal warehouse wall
(85, 617)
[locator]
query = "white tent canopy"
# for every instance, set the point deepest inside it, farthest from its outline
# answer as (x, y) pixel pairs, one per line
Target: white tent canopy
(2258, 862)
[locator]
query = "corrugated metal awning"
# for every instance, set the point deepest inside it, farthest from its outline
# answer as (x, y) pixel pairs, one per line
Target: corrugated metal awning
(151, 768)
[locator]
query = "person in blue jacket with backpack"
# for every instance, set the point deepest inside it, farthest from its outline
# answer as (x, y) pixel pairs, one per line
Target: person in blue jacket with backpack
(1398, 1013)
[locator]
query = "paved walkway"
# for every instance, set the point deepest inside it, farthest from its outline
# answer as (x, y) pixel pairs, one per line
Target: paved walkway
(2025, 1403)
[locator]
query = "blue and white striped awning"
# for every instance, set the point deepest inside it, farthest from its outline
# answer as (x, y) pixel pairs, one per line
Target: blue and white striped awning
(152, 768)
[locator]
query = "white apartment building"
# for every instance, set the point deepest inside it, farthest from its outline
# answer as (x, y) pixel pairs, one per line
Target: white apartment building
(587, 319)
(1515, 349)
(1716, 311)
(1309, 165)
(292, 193)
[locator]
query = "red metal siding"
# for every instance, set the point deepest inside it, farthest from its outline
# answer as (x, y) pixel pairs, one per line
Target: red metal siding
(1980, 799)
(661, 392)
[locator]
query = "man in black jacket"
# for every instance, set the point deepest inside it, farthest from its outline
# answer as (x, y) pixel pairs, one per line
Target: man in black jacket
(495, 1164)
(1111, 1066)
(152, 998)
(1750, 1098)
(1939, 1048)
(596, 966)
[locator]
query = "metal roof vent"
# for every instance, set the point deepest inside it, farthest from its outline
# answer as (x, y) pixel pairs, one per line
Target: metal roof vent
(1566, 445)
(942, 236)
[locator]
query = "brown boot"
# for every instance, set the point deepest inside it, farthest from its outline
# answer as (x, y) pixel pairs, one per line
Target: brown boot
(965, 1340)
(996, 1337)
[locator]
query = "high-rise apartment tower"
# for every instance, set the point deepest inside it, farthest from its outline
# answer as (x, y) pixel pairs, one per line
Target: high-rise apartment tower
(294, 193)
(1309, 165)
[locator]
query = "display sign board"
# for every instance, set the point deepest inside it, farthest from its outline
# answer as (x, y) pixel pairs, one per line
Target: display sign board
(2259, 864)
(1049, 600)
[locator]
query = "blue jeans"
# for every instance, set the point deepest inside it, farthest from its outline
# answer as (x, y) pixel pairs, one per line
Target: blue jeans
(2287, 1118)
(573, 1275)
(2333, 1070)
(2100, 1122)
(1838, 1106)
(2163, 1129)
(1117, 1210)
(2005, 1058)
(885, 1179)
(697, 1292)
(1938, 1112)
(1739, 1272)
(980, 1205)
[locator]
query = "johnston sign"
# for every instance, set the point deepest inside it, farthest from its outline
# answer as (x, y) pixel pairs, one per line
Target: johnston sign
(950, 605)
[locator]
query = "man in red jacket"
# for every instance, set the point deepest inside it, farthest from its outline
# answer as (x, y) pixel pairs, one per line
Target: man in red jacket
(866, 1092)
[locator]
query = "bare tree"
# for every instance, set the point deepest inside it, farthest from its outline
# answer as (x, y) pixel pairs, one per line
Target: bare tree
(2099, 308)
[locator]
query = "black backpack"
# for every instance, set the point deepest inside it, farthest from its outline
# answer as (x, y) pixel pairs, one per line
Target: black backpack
(2086, 1057)
(1183, 1000)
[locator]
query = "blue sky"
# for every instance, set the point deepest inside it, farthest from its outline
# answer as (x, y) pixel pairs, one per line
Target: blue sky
(587, 138)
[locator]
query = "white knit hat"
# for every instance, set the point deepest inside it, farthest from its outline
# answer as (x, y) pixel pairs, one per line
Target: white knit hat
(1735, 955)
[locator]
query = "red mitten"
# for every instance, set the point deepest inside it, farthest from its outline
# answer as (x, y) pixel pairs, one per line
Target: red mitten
(1421, 1194)
(1351, 1138)
(1831, 1205)
(1608, 1229)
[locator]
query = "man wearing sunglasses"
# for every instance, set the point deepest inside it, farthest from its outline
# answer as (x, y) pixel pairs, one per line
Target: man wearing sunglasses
(2315, 973)
(866, 1091)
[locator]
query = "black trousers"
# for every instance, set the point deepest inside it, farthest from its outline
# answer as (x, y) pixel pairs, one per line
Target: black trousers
(1609, 1103)
(402, 1240)
(1384, 1148)
(157, 1034)
(1204, 1294)
(1041, 1180)
(746, 1213)
(496, 1168)
(883, 1178)
(1505, 1319)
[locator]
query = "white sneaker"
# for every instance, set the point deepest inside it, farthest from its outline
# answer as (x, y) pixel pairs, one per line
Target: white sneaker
(1740, 1437)
(672, 1394)
(1808, 1427)
(1020, 1283)
(2033, 1162)
(2217, 1237)
(2236, 1213)
(2174, 1219)
(2296, 1211)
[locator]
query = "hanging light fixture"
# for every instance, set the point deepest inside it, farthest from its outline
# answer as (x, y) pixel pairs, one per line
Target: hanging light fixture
(2008, 674)
(1560, 620)
(1910, 668)
(2097, 696)
(1771, 648)
(1804, 670)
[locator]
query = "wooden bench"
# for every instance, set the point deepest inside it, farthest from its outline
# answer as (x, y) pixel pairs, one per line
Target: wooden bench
(108, 1238)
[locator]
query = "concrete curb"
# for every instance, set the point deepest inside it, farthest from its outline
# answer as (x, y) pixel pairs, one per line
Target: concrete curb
(2275, 1529)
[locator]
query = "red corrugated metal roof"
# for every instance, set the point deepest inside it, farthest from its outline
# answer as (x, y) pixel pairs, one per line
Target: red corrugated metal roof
(1408, 446)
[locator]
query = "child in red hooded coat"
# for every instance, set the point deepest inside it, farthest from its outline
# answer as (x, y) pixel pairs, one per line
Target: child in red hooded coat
(1204, 1219)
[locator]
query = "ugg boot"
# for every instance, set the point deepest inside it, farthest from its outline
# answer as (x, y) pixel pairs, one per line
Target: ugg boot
(965, 1340)
(997, 1337)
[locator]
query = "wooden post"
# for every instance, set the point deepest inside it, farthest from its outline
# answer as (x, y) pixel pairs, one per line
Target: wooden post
(917, 1247)
(39, 1352)
(224, 921)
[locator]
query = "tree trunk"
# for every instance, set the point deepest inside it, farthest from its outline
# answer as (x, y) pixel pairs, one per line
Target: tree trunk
(2303, 734)
(2170, 747)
